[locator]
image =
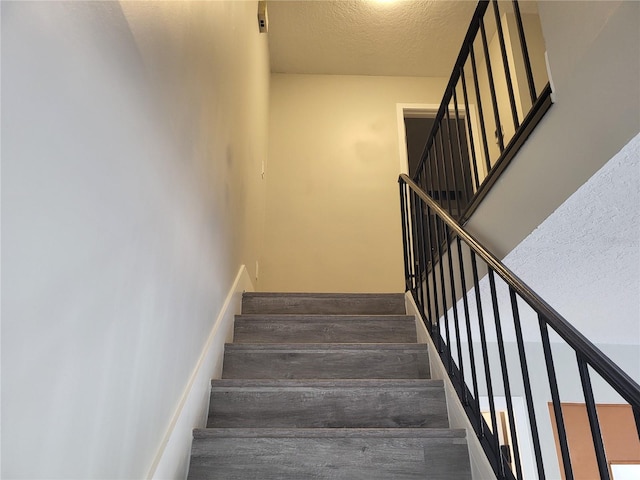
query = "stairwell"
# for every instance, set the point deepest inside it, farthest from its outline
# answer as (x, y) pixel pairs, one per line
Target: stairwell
(331, 386)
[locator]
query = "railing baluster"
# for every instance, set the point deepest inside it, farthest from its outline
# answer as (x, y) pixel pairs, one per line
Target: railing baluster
(483, 128)
(422, 258)
(492, 87)
(430, 300)
(465, 302)
(485, 356)
(464, 166)
(444, 185)
(443, 291)
(435, 251)
(470, 136)
(454, 176)
(555, 398)
(410, 240)
(412, 220)
(525, 52)
(527, 385)
(416, 246)
(433, 171)
(456, 320)
(426, 233)
(505, 373)
(505, 61)
(596, 435)
(439, 181)
(405, 243)
(437, 186)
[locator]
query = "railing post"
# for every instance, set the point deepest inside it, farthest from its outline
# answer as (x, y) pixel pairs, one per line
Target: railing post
(590, 403)
(464, 165)
(483, 128)
(505, 374)
(492, 88)
(470, 138)
(525, 52)
(465, 302)
(505, 61)
(555, 399)
(403, 220)
(527, 384)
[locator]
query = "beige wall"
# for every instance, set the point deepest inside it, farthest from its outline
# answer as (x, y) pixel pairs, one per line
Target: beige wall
(209, 74)
(333, 221)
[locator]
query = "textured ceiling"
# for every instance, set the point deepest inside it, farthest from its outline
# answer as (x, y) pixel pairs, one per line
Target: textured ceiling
(367, 37)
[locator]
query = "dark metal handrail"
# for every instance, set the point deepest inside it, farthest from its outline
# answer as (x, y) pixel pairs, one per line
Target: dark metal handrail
(424, 254)
(442, 149)
(624, 385)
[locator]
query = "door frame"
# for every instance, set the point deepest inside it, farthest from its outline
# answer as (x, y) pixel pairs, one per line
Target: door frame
(430, 110)
(410, 110)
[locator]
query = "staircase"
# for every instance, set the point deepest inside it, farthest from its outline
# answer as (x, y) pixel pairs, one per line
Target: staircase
(331, 386)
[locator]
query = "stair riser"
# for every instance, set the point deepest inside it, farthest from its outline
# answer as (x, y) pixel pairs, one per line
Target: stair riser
(326, 365)
(345, 407)
(325, 331)
(330, 458)
(326, 386)
(344, 304)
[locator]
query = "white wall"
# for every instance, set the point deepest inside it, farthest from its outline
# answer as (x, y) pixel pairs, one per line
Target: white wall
(333, 220)
(128, 194)
(480, 466)
(594, 56)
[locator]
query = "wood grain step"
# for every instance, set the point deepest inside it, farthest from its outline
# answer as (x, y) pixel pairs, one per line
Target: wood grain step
(253, 328)
(327, 404)
(344, 454)
(324, 303)
(325, 361)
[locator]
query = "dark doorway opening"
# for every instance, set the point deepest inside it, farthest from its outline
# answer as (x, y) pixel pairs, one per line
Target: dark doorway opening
(455, 189)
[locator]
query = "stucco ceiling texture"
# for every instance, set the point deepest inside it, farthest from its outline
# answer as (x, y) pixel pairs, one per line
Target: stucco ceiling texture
(367, 37)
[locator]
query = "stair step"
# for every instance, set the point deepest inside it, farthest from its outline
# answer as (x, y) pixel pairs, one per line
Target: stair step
(341, 454)
(327, 404)
(280, 328)
(324, 303)
(325, 361)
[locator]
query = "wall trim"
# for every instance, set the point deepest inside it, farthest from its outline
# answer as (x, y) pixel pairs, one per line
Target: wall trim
(480, 466)
(172, 458)
(410, 110)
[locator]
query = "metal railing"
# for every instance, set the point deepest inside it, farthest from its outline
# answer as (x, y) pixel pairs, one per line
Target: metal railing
(492, 89)
(451, 276)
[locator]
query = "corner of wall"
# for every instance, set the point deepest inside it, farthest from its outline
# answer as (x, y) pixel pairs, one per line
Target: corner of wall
(172, 458)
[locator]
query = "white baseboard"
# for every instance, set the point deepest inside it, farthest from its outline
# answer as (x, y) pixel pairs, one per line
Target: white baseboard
(480, 466)
(172, 458)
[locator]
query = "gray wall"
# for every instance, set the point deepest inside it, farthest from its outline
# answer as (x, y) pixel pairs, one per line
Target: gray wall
(125, 189)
